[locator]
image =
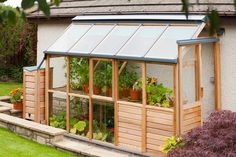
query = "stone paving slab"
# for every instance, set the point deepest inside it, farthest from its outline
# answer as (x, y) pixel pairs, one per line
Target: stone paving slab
(5, 104)
(4, 98)
(4, 109)
(88, 149)
(31, 125)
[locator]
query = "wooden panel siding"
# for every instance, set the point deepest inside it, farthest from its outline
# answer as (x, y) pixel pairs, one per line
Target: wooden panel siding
(192, 116)
(160, 125)
(34, 93)
(129, 127)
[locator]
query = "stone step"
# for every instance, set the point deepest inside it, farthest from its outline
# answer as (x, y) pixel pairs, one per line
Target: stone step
(4, 109)
(16, 113)
(5, 104)
(4, 98)
(88, 149)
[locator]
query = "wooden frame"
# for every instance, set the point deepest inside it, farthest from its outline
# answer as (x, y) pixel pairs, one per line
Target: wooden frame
(217, 75)
(137, 124)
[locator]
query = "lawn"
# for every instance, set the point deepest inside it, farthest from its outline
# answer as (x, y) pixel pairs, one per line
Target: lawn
(6, 87)
(12, 145)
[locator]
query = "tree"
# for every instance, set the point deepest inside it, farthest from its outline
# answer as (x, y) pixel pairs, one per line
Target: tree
(17, 47)
(8, 15)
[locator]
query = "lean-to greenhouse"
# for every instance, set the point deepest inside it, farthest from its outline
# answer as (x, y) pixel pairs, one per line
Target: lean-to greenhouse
(129, 80)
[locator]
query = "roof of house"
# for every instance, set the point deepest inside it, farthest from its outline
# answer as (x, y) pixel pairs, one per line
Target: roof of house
(71, 8)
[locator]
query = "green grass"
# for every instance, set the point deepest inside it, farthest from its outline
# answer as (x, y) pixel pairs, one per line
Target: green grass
(12, 145)
(6, 87)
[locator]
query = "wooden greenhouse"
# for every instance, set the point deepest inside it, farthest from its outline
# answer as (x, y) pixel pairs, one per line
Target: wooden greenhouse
(131, 81)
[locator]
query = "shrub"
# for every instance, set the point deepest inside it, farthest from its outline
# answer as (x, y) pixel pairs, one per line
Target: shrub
(216, 138)
(17, 48)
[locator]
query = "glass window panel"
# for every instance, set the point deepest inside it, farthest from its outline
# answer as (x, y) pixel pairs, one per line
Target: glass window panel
(79, 76)
(57, 110)
(58, 70)
(188, 73)
(69, 38)
(166, 47)
(142, 41)
(130, 82)
(115, 40)
(102, 78)
(160, 85)
(103, 121)
(92, 38)
(79, 116)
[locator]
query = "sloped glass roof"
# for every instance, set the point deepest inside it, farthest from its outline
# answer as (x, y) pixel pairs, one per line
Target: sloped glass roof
(134, 41)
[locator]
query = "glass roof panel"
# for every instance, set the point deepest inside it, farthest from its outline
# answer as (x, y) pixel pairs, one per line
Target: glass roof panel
(91, 39)
(166, 47)
(115, 40)
(69, 38)
(142, 41)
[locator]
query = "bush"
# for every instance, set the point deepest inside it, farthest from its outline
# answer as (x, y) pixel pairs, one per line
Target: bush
(17, 48)
(216, 138)
(11, 73)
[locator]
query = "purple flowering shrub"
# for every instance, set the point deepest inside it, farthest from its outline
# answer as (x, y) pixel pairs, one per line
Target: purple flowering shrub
(216, 138)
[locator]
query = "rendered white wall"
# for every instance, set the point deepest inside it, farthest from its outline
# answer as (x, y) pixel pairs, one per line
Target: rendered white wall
(47, 35)
(228, 64)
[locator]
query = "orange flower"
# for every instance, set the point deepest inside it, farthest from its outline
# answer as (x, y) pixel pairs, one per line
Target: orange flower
(153, 80)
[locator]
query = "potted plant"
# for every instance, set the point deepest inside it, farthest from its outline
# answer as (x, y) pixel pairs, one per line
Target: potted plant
(79, 74)
(126, 81)
(98, 82)
(15, 98)
(108, 79)
(158, 94)
(135, 92)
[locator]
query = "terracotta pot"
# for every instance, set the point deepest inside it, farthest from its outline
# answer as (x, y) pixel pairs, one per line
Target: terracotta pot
(18, 106)
(97, 90)
(135, 95)
(85, 88)
(109, 92)
(86, 116)
(125, 93)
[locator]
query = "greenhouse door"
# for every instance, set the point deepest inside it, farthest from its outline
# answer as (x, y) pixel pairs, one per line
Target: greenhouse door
(192, 91)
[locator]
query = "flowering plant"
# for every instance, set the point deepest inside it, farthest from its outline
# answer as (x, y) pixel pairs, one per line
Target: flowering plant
(15, 95)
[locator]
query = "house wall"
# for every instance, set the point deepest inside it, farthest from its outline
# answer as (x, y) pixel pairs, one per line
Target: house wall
(228, 64)
(48, 33)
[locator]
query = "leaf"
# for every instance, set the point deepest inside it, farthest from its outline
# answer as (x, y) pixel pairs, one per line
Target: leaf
(214, 21)
(43, 5)
(185, 7)
(80, 126)
(26, 4)
(57, 2)
(235, 4)
(1, 1)
(9, 16)
(73, 130)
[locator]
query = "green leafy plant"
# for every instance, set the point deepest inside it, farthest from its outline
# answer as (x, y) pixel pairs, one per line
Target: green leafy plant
(15, 95)
(138, 85)
(170, 143)
(127, 79)
(100, 133)
(79, 72)
(78, 127)
(58, 120)
(99, 80)
(158, 94)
